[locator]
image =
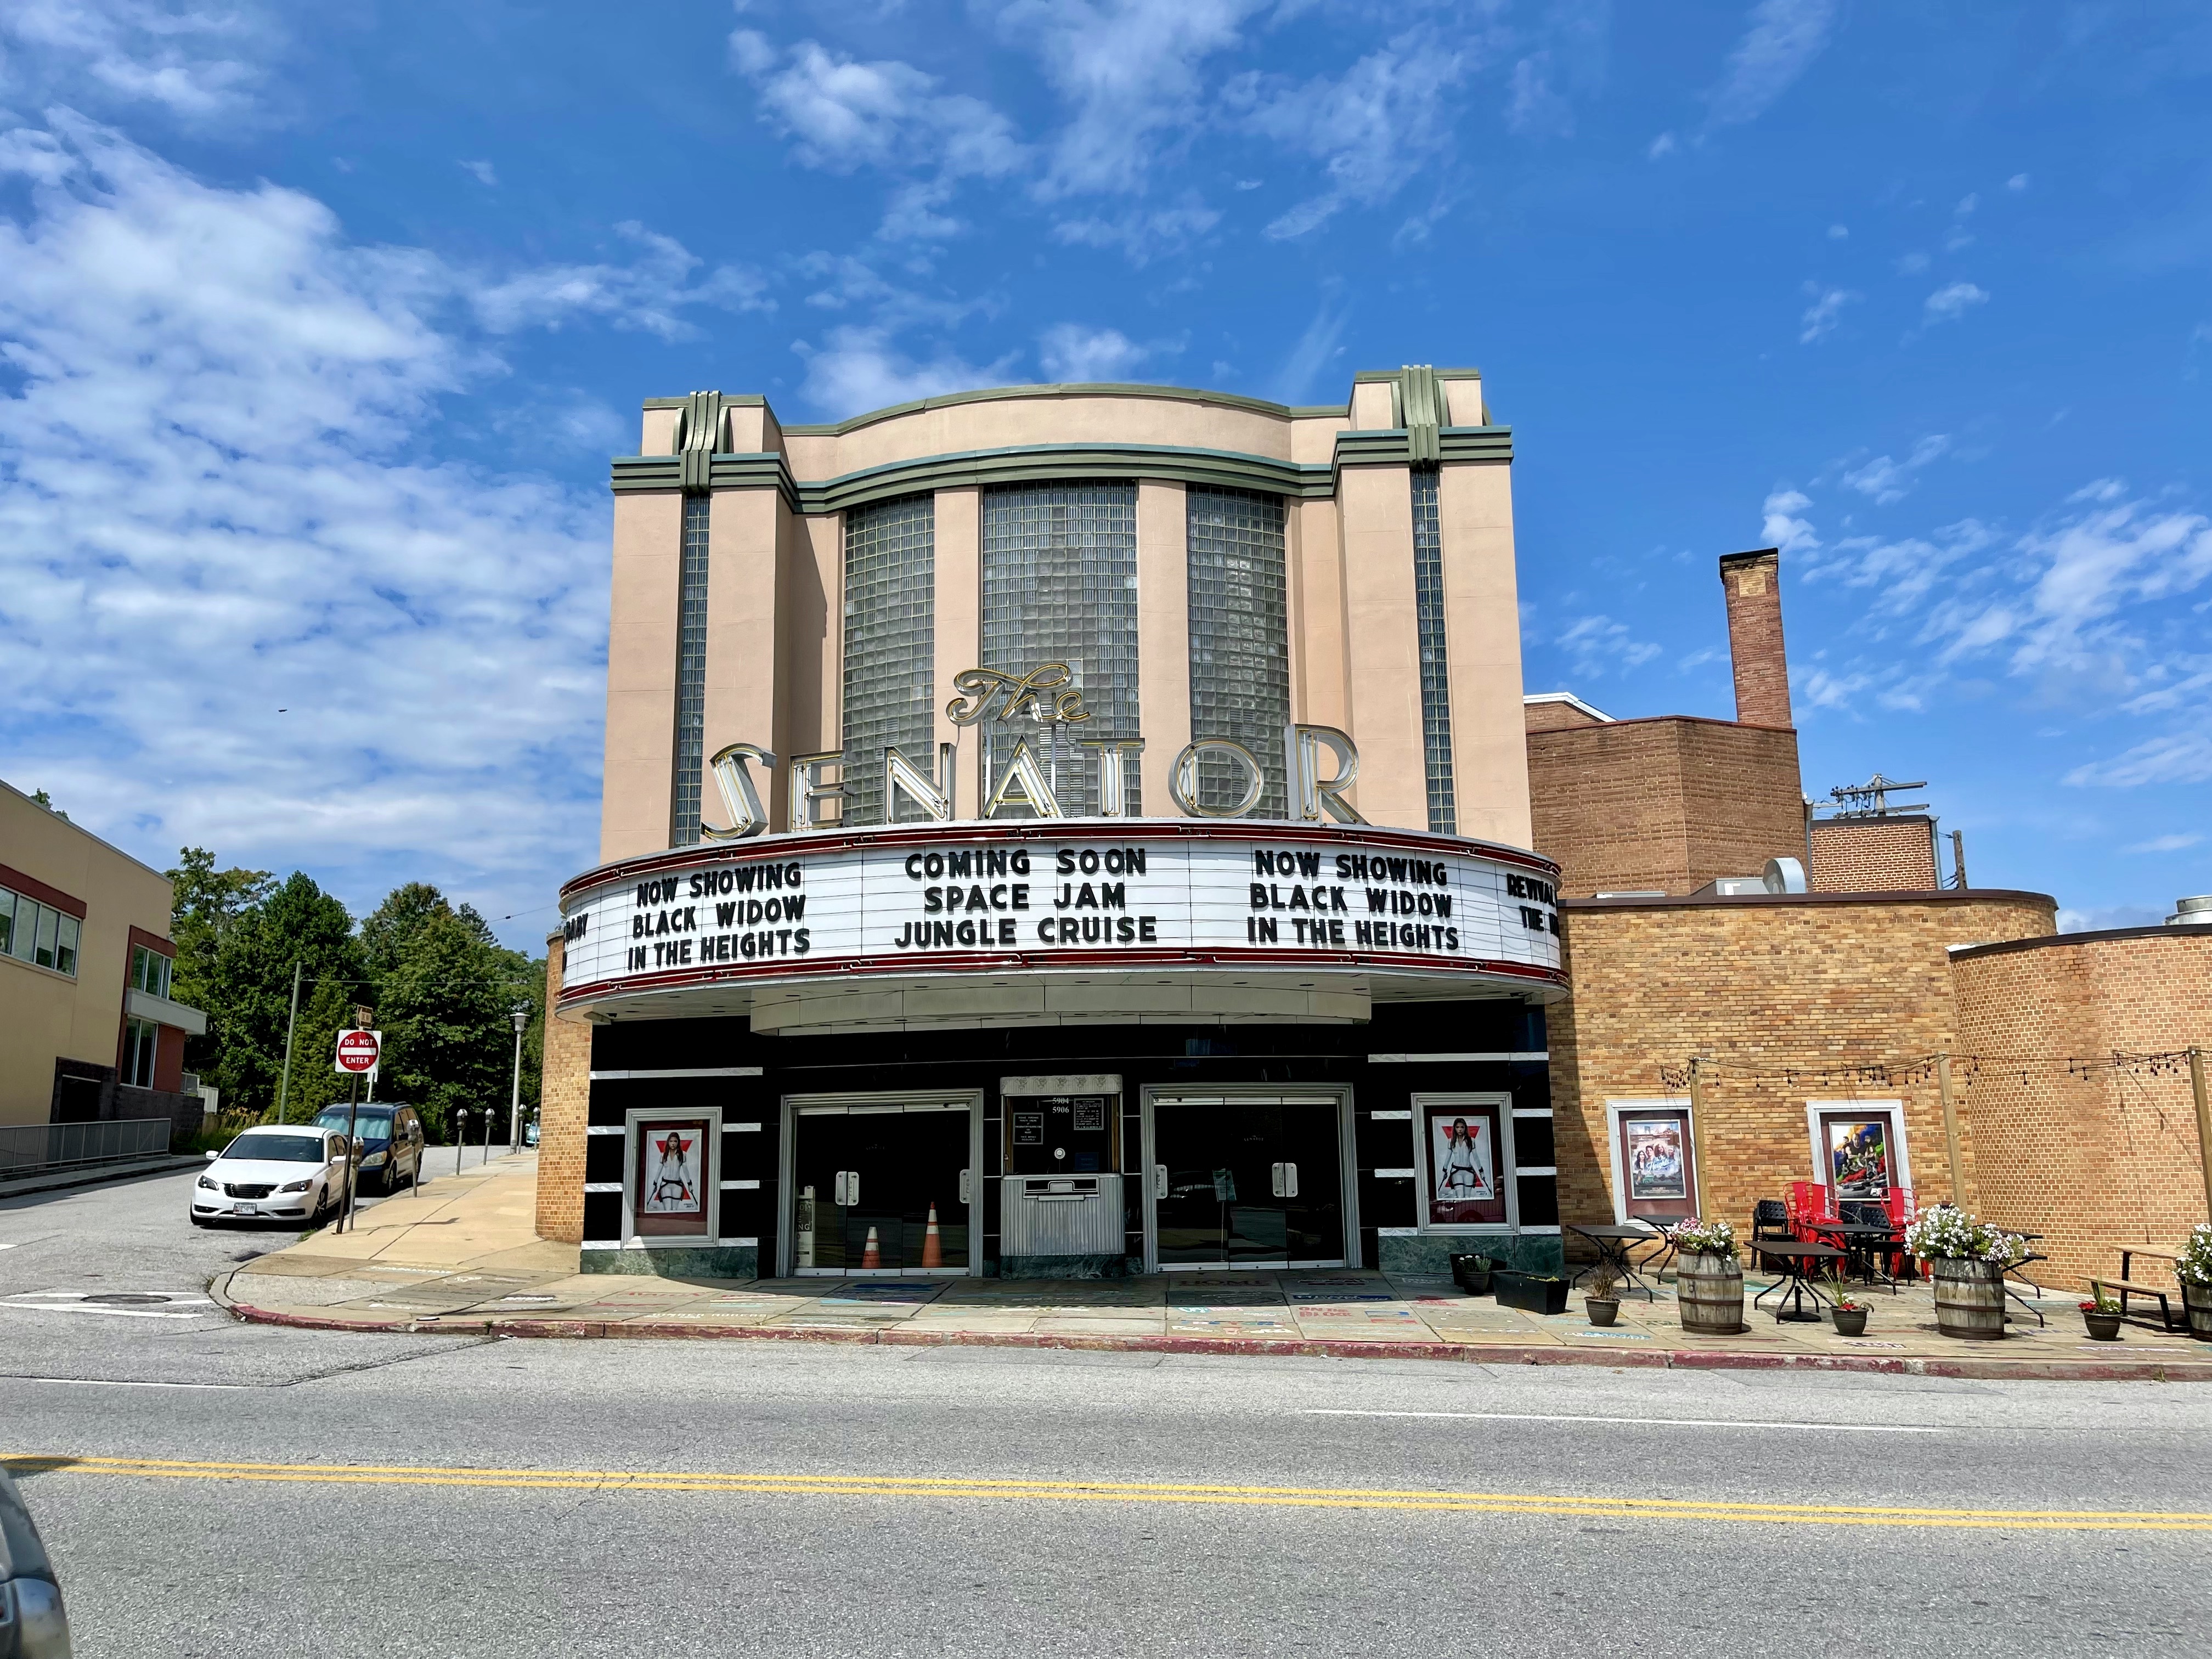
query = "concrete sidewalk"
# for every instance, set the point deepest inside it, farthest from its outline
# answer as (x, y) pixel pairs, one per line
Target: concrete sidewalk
(462, 1257)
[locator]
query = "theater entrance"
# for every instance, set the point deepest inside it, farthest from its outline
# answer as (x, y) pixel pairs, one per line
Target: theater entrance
(1247, 1180)
(881, 1184)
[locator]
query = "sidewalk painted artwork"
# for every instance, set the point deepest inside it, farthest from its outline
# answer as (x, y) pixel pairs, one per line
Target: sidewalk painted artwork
(1657, 1169)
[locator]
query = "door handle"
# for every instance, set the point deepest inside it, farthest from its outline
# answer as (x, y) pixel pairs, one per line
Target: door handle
(967, 1187)
(1160, 1181)
(1275, 1180)
(1289, 1181)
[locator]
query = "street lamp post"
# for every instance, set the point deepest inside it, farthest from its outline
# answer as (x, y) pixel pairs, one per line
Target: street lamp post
(521, 1018)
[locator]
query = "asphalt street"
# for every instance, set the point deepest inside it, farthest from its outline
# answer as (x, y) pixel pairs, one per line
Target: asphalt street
(208, 1487)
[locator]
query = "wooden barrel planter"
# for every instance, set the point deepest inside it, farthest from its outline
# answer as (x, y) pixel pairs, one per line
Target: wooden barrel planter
(2197, 1299)
(1970, 1300)
(1710, 1290)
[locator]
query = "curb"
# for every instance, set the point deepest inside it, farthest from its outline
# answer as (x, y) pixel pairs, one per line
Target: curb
(1964, 1368)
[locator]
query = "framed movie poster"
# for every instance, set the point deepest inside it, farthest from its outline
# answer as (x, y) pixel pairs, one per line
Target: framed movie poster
(671, 1194)
(1858, 1156)
(1655, 1161)
(1466, 1170)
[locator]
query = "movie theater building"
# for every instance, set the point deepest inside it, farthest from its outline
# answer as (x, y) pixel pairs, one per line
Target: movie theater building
(1060, 830)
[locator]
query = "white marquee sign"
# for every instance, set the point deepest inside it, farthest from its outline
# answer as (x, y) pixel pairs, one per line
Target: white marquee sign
(1067, 893)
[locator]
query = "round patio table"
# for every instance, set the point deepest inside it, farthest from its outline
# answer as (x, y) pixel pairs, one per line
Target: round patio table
(1613, 1240)
(1861, 1243)
(1794, 1281)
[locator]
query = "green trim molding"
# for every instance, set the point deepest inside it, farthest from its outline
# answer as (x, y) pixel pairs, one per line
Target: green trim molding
(1428, 1256)
(1030, 462)
(675, 1262)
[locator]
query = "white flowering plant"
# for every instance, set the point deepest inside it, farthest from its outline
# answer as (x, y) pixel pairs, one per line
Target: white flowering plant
(2194, 1267)
(1694, 1236)
(1943, 1232)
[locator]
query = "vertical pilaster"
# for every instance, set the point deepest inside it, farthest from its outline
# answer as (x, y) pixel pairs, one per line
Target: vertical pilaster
(641, 737)
(959, 630)
(1482, 632)
(1382, 645)
(1163, 636)
(746, 566)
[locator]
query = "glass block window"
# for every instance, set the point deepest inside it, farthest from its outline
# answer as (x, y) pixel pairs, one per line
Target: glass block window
(891, 661)
(1240, 654)
(1436, 680)
(1059, 584)
(691, 675)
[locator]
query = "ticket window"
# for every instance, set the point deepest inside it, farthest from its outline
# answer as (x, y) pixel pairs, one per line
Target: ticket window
(1063, 1134)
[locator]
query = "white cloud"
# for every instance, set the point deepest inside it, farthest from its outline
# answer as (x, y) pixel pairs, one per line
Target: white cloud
(1784, 36)
(1367, 126)
(1887, 480)
(1839, 232)
(1663, 145)
(197, 64)
(1596, 644)
(2098, 918)
(1129, 70)
(1315, 349)
(1949, 304)
(647, 294)
(1070, 353)
(1911, 264)
(1783, 527)
(2176, 843)
(859, 369)
(2017, 183)
(1821, 317)
(1142, 233)
(2176, 757)
(1533, 109)
(844, 114)
(483, 172)
(220, 494)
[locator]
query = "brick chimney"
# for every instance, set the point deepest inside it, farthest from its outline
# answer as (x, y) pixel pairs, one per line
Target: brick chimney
(1752, 582)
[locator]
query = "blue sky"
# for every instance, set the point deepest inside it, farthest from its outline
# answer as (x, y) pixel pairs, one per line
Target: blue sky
(318, 324)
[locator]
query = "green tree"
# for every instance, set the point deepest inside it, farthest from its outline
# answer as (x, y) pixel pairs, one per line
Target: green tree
(251, 994)
(207, 903)
(445, 987)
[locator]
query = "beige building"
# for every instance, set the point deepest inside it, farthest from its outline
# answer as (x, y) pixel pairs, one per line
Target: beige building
(87, 1029)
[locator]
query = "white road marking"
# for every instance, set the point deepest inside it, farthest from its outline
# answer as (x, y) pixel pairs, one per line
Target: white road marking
(127, 1382)
(179, 1304)
(1637, 1422)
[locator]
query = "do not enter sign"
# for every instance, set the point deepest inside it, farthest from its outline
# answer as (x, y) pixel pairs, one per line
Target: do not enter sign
(358, 1050)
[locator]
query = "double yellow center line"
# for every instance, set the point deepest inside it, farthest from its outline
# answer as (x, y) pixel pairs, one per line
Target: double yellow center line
(1113, 1491)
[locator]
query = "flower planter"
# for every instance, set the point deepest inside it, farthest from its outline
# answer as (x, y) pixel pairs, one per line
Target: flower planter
(1530, 1292)
(1709, 1290)
(1472, 1274)
(1849, 1322)
(1603, 1310)
(2197, 1300)
(1969, 1298)
(2102, 1326)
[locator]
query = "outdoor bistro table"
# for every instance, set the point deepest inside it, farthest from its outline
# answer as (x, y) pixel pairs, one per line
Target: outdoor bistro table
(1793, 1258)
(1864, 1242)
(1612, 1243)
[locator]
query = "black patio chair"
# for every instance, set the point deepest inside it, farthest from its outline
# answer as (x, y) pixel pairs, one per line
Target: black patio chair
(1770, 1220)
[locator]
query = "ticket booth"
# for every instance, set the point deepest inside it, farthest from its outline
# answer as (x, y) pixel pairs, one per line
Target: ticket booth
(1061, 1203)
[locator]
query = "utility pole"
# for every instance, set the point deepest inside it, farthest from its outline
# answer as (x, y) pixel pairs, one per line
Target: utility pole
(284, 1089)
(521, 1018)
(1951, 1130)
(2203, 1122)
(1958, 858)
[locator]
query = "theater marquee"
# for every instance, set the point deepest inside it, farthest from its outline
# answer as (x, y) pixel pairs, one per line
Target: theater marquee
(1042, 895)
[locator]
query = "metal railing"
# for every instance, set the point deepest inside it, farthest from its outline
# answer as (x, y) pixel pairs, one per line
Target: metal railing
(35, 1148)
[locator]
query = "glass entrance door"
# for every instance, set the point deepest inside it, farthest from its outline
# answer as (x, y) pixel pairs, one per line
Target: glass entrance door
(881, 1189)
(1247, 1182)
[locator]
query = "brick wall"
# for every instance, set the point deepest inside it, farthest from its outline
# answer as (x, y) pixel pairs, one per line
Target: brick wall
(1760, 985)
(1874, 855)
(2093, 1158)
(564, 1106)
(1753, 583)
(1668, 804)
(1556, 716)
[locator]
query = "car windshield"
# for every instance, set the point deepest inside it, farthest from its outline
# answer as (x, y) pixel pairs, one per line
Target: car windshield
(276, 1149)
(369, 1126)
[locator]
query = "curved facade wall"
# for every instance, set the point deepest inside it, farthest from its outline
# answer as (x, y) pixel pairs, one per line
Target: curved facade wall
(2093, 1155)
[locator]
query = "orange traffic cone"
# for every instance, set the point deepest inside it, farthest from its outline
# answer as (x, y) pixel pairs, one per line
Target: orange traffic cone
(872, 1254)
(932, 1247)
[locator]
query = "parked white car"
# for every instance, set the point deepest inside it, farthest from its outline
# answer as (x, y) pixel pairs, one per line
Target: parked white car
(277, 1172)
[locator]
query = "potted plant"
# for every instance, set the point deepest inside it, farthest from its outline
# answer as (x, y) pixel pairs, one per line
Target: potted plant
(1536, 1293)
(1967, 1259)
(1472, 1274)
(1848, 1314)
(2194, 1270)
(1708, 1280)
(1603, 1305)
(2101, 1313)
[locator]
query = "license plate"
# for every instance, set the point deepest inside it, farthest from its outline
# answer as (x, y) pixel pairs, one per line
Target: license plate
(245, 1209)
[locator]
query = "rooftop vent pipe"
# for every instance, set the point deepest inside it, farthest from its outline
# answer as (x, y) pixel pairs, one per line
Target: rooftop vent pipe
(2192, 912)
